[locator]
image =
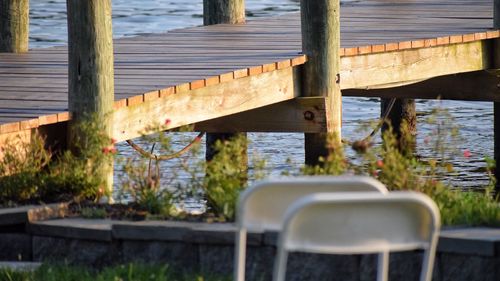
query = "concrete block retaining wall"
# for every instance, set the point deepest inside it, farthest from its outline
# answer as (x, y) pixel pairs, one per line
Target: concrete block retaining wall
(463, 254)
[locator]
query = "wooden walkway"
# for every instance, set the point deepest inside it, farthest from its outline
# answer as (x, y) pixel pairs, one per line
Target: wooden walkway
(195, 74)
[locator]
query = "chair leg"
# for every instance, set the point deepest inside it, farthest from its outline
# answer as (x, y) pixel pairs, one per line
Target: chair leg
(280, 265)
(240, 254)
(428, 262)
(383, 266)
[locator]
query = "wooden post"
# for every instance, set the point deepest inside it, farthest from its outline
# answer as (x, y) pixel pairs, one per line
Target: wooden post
(14, 26)
(216, 12)
(223, 11)
(496, 105)
(403, 111)
(90, 69)
(321, 43)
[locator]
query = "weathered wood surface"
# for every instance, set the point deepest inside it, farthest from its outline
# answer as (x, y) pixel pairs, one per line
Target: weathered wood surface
(91, 75)
(33, 86)
(191, 106)
(14, 26)
(223, 11)
(320, 25)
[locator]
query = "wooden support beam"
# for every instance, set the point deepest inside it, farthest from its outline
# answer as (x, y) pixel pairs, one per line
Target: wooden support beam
(461, 86)
(303, 114)
(14, 26)
(90, 71)
(392, 69)
(320, 22)
(192, 106)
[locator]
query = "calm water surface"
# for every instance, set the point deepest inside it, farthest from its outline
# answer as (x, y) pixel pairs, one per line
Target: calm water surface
(48, 28)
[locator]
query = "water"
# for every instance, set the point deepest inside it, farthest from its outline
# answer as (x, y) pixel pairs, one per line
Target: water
(48, 28)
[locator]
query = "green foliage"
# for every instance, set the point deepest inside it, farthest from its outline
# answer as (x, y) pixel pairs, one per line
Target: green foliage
(333, 164)
(128, 272)
(20, 165)
(226, 176)
(30, 172)
(93, 213)
(399, 169)
(144, 188)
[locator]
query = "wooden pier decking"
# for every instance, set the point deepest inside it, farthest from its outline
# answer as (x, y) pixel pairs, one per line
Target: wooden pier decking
(197, 74)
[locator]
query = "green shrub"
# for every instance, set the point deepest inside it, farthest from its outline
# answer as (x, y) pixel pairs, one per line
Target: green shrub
(399, 169)
(226, 176)
(29, 172)
(20, 165)
(144, 188)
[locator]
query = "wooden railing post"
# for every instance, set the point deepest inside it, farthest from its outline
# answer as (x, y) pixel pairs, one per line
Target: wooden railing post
(90, 70)
(496, 105)
(14, 26)
(217, 12)
(321, 73)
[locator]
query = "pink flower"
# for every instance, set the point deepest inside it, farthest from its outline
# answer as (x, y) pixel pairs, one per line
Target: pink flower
(105, 150)
(168, 121)
(380, 163)
(375, 173)
(467, 153)
(113, 141)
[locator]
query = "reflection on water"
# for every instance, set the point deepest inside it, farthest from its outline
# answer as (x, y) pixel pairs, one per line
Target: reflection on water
(48, 28)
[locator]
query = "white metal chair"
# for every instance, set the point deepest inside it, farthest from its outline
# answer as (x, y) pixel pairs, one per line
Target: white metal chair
(262, 206)
(361, 223)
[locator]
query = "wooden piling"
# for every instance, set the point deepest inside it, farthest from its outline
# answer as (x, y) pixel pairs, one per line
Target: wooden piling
(496, 105)
(223, 11)
(403, 113)
(217, 12)
(90, 70)
(320, 22)
(14, 26)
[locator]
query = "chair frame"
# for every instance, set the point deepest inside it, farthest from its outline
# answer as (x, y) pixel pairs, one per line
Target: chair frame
(366, 197)
(312, 184)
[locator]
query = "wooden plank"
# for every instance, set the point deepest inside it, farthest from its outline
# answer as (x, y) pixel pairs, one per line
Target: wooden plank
(303, 114)
(462, 86)
(145, 65)
(384, 70)
(206, 103)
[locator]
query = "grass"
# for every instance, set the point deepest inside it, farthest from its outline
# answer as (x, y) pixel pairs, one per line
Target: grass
(128, 272)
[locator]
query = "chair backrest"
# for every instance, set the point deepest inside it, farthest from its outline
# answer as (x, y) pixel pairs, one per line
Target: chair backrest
(262, 206)
(357, 223)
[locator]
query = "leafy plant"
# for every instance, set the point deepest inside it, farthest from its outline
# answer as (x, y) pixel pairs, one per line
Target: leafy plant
(144, 188)
(21, 162)
(227, 174)
(399, 169)
(30, 172)
(93, 213)
(333, 164)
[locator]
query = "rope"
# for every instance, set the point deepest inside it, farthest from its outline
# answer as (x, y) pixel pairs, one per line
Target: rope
(153, 156)
(363, 144)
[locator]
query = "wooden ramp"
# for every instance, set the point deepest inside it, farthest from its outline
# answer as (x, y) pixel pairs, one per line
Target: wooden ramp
(196, 74)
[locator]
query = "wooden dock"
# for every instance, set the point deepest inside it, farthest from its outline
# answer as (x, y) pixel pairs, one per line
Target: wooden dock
(248, 77)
